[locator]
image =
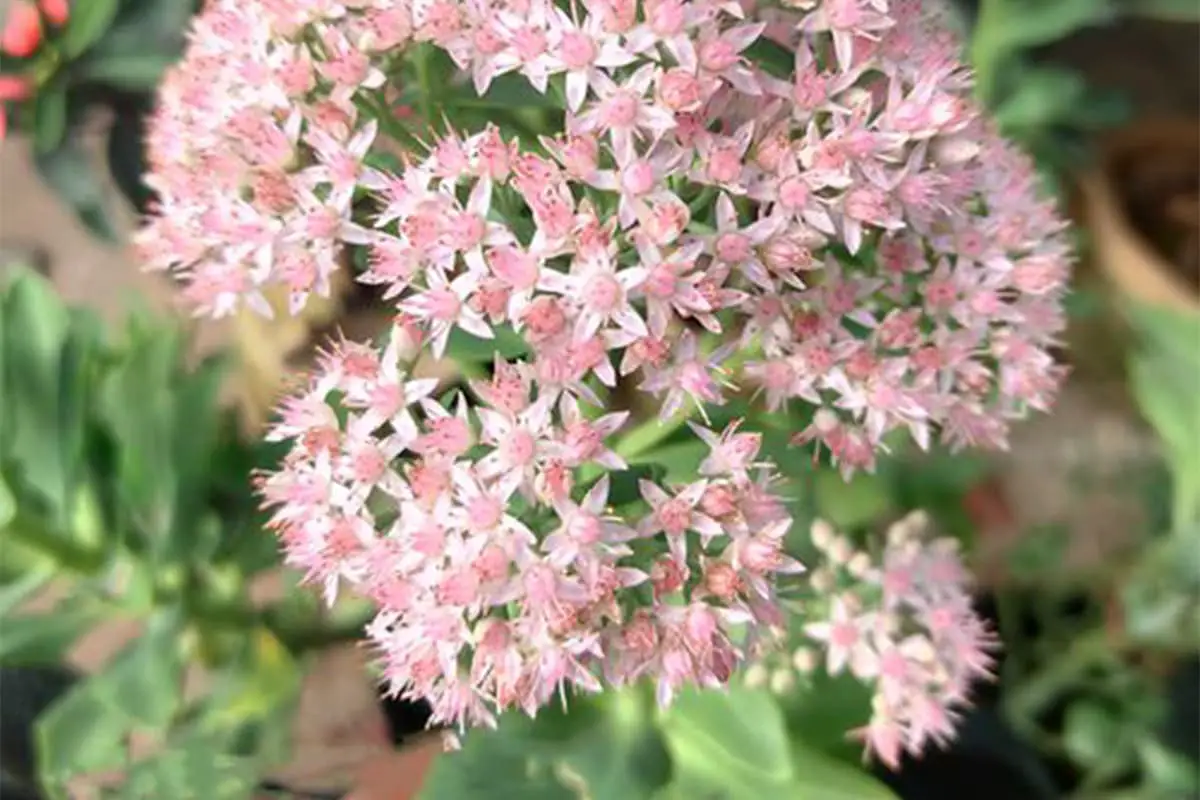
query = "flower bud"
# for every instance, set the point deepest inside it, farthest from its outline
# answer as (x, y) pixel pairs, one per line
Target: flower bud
(783, 680)
(822, 534)
(56, 11)
(804, 660)
(840, 550)
(756, 676)
(22, 31)
(822, 581)
(859, 565)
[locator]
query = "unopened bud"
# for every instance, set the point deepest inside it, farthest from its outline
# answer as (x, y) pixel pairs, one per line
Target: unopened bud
(822, 581)
(783, 680)
(822, 534)
(859, 565)
(756, 676)
(804, 660)
(840, 550)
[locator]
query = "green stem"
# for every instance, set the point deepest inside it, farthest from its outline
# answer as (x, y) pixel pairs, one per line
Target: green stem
(985, 54)
(422, 69)
(297, 634)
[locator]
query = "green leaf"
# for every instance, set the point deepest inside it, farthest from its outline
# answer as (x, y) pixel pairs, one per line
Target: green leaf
(35, 331)
(69, 173)
(8, 504)
(12, 595)
(821, 777)
(1172, 774)
(604, 747)
(264, 679)
(466, 348)
(86, 730)
(1090, 733)
(81, 733)
(49, 118)
(130, 71)
(1165, 378)
(820, 713)
(138, 406)
(728, 745)
(678, 461)
(619, 754)
(732, 745)
(1041, 98)
(1005, 26)
(88, 22)
(500, 763)
(32, 639)
(850, 504)
(194, 764)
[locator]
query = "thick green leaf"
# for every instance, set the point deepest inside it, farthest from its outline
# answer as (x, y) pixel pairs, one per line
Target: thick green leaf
(820, 713)
(147, 26)
(734, 745)
(604, 747)
(728, 745)
(88, 22)
(1042, 97)
(500, 763)
(35, 331)
(8, 504)
(81, 733)
(193, 765)
(49, 118)
(821, 777)
(1089, 733)
(69, 173)
(1008, 25)
(264, 679)
(1165, 378)
(620, 753)
(140, 409)
(679, 461)
(142, 688)
(145, 681)
(130, 71)
(12, 595)
(465, 348)
(849, 504)
(32, 639)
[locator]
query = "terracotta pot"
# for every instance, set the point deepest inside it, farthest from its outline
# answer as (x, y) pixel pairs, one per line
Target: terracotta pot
(1144, 188)
(398, 775)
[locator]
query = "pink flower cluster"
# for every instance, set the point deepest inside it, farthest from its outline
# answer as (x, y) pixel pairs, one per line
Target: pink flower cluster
(483, 607)
(859, 222)
(842, 231)
(903, 622)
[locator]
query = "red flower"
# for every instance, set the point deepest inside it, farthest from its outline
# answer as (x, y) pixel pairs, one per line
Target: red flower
(22, 30)
(56, 11)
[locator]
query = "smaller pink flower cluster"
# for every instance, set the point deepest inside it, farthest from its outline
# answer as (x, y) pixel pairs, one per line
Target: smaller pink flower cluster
(495, 589)
(904, 623)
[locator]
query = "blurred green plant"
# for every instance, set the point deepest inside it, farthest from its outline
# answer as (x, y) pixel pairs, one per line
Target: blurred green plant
(125, 486)
(107, 55)
(744, 743)
(1050, 110)
(1107, 667)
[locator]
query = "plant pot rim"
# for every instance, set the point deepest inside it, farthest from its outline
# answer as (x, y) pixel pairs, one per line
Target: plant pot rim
(1129, 261)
